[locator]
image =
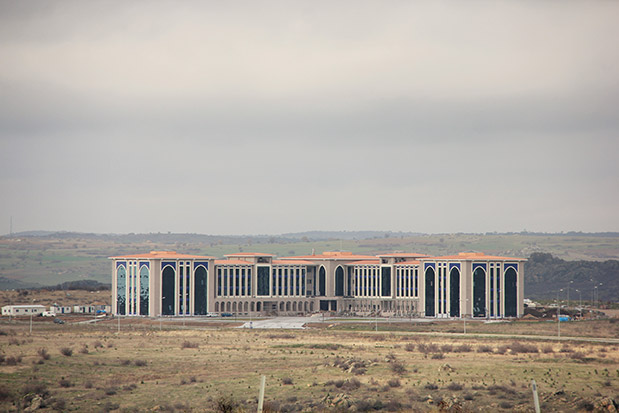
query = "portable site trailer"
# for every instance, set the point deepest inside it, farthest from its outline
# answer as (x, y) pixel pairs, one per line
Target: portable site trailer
(17, 310)
(58, 309)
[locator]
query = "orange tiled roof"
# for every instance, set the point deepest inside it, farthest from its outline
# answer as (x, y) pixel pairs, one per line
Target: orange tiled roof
(248, 254)
(403, 255)
(332, 255)
(167, 255)
(365, 262)
(474, 256)
(408, 262)
(232, 262)
(292, 262)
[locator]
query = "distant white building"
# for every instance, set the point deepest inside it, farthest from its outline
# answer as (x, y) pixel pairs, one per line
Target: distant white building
(59, 309)
(16, 310)
(83, 309)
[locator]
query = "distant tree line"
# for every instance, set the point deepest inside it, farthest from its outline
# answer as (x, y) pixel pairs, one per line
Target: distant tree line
(546, 275)
(87, 285)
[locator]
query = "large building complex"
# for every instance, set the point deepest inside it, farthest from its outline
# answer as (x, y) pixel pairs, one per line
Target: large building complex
(399, 284)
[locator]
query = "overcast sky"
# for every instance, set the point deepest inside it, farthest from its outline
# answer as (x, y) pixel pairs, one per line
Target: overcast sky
(266, 117)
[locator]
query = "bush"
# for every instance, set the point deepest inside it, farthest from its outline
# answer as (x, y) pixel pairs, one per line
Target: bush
(447, 348)
(287, 380)
(84, 350)
(125, 362)
(225, 404)
(455, 386)
(88, 385)
(484, 349)
(140, 363)
(398, 367)
(577, 355)
(97, 344)
(66, 351)
(438, 356)
(189, 344)
(110, 391)
(463, 348)
(506, 405)
(65, 383)
(12, 360)
(518, 347)
(5, 393)
(468, 396)
(547, 349)
(502, 350)
(394, 383)
(351, 384)
(431, 386)
(43, 354)
(409, 347)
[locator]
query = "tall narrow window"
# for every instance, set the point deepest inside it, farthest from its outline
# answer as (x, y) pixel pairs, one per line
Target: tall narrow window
(121, 290)
(167, 291)
(430, 292)
(454, 292)
(511, 293)
(144, 293)
(479, 292)
(200, 291)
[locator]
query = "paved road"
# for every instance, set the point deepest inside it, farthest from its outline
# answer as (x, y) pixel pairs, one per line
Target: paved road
(282, 322)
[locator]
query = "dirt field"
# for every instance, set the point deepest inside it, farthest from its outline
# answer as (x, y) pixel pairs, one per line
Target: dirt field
(212, 367)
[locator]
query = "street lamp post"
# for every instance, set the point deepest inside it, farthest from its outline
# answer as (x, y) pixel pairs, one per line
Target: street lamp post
(559, 315)
(580, 301)
(568, 293)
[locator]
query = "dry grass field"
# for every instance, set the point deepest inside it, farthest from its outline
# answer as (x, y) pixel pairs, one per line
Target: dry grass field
(212, 367)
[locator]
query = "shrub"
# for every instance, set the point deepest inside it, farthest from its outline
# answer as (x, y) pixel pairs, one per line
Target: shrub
(358, 371)
(12, 360)
(463, 348)
(65, 383)
(84, 350)
(394, 383)
(547, 349)
(398, 367)
(566, 349)
(455, 386)
(110, 391)
(484, 349)
(409, 347)
(43, 354)
(5, 393)
(518, 347)
(97, 344)
(577, 355)
(431, 386)
(351, 384)
(88, 385)
(109, 406)
(58, 404)
(502, 350)
(506, 405)
(468, 396)
(130, 387)
(438, 356)
(140, 363)
(225, 404)
(287, 380)
(125, 362)
(447, 348)
(189, 344)
(66, 351)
